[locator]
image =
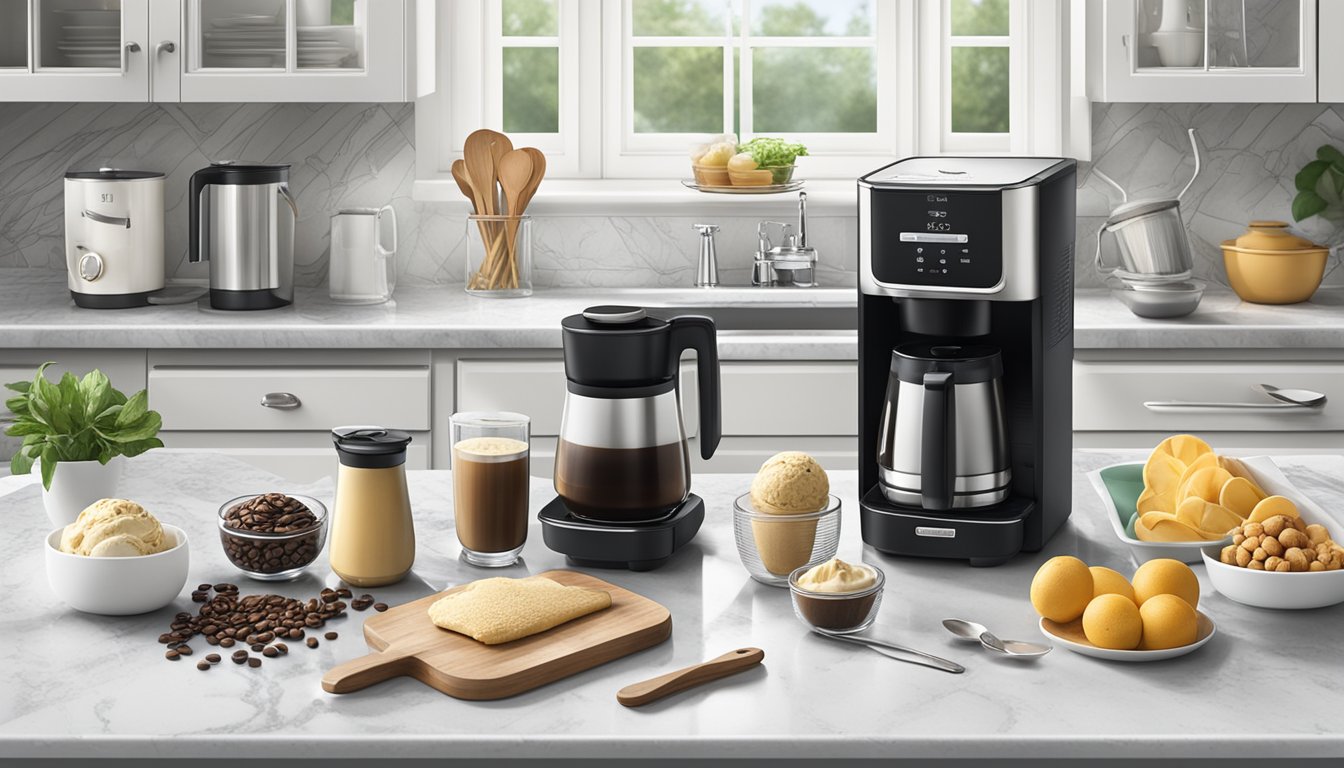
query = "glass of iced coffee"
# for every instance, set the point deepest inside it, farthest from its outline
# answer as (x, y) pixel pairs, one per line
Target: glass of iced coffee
(490, 480)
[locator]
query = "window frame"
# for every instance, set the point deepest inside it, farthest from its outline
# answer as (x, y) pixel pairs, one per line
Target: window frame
(1045, 118)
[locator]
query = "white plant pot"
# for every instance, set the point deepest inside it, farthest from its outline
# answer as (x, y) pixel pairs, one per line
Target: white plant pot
(76, 485)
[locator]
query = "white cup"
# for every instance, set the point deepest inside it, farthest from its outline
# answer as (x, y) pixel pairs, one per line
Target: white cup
(361, 270)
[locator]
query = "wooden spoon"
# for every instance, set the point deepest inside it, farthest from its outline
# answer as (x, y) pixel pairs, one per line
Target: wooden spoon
(500, 147)
(538, 171)
(464, 182)
(729, 663)
(515, 173)
(480, 164)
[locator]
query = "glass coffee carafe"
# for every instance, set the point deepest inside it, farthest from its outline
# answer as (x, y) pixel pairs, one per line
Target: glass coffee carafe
(622, 454)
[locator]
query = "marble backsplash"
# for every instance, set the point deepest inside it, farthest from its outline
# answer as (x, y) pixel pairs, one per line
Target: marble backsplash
(363, 155)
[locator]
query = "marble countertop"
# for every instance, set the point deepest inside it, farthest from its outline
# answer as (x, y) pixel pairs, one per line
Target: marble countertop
(83, 685)
(36, 311)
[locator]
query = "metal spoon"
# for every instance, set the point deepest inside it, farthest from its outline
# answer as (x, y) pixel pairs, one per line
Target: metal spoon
(898, 652)
(979, 633)
(1303, 397)
(1017, 649)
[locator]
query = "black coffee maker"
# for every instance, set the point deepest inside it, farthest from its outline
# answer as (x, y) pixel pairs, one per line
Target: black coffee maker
(965, 355)
(622, 465)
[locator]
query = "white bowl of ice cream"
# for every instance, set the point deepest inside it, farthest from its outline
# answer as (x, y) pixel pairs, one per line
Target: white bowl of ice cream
(116, 559)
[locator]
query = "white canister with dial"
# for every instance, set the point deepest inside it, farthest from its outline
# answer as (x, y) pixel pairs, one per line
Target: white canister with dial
(113, 237)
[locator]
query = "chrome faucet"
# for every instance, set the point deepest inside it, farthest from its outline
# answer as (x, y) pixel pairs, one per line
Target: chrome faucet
(707, 268)
(793, 262)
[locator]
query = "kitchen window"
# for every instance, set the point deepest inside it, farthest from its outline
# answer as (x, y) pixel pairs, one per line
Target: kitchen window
(622, 89)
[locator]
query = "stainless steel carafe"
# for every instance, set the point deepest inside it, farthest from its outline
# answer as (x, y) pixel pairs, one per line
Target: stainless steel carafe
(943, 441)
(242, 222)
(622, 454)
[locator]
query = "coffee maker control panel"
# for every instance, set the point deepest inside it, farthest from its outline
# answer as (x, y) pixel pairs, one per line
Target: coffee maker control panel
(937, 238)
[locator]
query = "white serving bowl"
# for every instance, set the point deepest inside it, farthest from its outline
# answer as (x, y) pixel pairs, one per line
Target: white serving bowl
(118, 586)
(1264, 589)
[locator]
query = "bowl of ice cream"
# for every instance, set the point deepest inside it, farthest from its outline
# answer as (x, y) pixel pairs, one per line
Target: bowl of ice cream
(117, 559)
(837, 596)
(789, 518)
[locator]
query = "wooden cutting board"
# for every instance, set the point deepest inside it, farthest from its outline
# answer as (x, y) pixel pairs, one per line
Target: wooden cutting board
(407, 643)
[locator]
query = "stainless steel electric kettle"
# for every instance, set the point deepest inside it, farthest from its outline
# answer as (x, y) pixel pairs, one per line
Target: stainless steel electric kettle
(242, 222)
(943, 440)
(622, 455)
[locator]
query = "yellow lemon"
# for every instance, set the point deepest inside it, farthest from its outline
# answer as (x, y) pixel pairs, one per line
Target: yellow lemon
(1184, 448)
(1271, 506)
(1165, 576)
(1168, 622)
(1061, 589)
(1113, 621)
(1240, 495)
(1108, 582)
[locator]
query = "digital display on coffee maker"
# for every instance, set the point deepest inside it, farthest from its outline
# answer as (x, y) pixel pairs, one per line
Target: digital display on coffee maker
(937, 238)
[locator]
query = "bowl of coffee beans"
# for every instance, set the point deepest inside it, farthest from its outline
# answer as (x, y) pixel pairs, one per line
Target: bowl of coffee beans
(272, 536)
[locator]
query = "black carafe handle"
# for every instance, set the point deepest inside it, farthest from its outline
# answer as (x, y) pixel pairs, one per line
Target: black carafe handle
(199, 181)
(938, 444)
(697, 332)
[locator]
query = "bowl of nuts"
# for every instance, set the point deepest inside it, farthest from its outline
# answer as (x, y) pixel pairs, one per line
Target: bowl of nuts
(1283, 556)
(272, 536)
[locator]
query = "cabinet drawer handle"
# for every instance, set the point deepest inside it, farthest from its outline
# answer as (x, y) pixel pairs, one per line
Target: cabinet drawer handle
(283, 400)
(1185, 406)
(167, 46)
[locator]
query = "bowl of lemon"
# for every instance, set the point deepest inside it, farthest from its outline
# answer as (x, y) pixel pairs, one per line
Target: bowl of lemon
(1097, 612)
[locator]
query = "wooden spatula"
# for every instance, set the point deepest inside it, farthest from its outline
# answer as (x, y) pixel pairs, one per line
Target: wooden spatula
(729, 663)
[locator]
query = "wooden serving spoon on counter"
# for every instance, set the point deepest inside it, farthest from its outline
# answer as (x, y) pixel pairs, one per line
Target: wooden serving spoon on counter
(652, 690)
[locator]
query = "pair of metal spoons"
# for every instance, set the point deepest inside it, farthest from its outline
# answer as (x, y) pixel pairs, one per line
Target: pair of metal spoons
(1016, 649)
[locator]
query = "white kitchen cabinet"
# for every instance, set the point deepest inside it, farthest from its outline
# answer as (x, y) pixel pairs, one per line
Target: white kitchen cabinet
(205, 50)
(1330, 90)
(1205, 50)
(1130, 401)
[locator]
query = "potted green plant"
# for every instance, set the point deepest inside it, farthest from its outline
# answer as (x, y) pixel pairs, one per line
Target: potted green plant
(1320, 193)
(76, 431)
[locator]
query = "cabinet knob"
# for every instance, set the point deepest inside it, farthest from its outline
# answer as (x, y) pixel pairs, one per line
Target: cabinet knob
(167, 46)
(132, 47)
(283, 400)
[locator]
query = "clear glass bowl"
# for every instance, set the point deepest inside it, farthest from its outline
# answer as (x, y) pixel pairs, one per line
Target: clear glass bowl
(839, 612)
(273, 556)
(772, 546)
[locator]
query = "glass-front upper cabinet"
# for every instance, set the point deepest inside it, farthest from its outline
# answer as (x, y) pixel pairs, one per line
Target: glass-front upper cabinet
(1204, 51)
(73, 50)
(294, 50)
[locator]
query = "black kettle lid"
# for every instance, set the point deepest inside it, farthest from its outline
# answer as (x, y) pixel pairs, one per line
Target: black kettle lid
(968, 363)
(617, 347)
(370, 447)
(234, 172)
(613, 319)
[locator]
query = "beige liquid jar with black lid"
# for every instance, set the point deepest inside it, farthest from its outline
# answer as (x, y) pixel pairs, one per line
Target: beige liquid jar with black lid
(372, 534)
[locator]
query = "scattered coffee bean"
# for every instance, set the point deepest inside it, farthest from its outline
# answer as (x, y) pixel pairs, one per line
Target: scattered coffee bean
(380, 607)
(212, 640)
(203, 587)
(312, 642)
(265, 637)
(295, 634)
(224, 586)
(165, 638)
(360, 604)
(198, 597)
(212, 658)
(331, 635)
(254, 662)
(281, 647)
(202, 665)
(171, 655)
(270, 652)
(345, 593)
(226, 642)
(184, 650)
(257, 647)
(239, 655)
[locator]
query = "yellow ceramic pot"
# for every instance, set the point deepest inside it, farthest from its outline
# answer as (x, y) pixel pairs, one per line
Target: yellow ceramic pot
(1270, 265)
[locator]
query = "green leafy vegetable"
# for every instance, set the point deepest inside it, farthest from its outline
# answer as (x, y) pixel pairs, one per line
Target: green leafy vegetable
(773, 153)
(77, 420)
(1320, 187)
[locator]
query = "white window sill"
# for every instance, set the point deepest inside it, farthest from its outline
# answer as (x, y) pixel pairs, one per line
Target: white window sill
(641, 197)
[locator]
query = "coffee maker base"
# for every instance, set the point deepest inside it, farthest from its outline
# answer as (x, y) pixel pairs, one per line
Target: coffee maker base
(633, 546)
(985, 536)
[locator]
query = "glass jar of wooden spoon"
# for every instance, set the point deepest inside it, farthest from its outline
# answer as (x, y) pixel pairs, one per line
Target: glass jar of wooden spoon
(499, 256)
